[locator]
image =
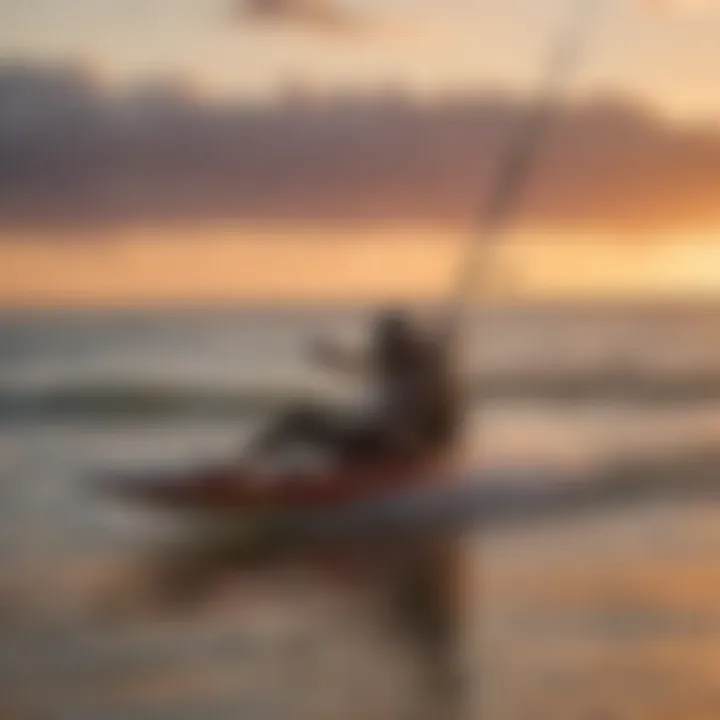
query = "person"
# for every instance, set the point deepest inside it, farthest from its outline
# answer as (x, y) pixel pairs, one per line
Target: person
(411, 405)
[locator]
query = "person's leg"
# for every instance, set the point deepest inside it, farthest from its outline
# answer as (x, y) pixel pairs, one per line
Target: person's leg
(301, 424)
(309, 425)
(376, 435)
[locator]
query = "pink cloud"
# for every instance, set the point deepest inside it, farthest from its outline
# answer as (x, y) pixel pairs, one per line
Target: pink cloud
(323, 15)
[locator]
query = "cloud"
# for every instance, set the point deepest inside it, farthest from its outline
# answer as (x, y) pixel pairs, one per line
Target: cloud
(384, 29)
(70, 153)
(322, 15)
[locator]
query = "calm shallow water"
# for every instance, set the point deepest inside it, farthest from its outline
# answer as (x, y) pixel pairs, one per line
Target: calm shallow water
(610, 615)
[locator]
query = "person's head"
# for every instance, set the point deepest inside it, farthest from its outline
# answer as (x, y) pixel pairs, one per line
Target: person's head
(393, 329)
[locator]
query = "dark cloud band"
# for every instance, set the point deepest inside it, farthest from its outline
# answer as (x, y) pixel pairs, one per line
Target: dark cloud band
(70, 152)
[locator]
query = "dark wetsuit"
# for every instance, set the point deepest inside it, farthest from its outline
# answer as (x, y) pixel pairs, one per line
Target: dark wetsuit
(416, 406)
(439, 406)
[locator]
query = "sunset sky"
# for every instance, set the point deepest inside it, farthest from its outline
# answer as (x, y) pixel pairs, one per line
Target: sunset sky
(661, 57)
(665, 52)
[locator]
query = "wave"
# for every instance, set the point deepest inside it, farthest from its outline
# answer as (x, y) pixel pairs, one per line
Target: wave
(149, 400)
(139, 402)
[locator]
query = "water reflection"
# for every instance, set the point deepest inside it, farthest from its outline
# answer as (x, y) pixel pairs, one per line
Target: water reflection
(408, 596)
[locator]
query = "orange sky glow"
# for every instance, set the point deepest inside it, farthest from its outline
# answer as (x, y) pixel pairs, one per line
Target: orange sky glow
(220, 265)
(663, 56)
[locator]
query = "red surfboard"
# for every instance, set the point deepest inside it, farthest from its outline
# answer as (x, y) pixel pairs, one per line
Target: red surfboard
(231, 488)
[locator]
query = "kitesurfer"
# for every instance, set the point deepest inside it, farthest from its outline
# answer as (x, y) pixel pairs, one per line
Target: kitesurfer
(411, 405)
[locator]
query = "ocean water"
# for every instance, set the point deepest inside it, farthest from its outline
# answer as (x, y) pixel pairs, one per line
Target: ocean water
(610, 615)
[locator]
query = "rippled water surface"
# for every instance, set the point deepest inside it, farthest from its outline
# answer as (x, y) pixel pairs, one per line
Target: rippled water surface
(608, 615)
